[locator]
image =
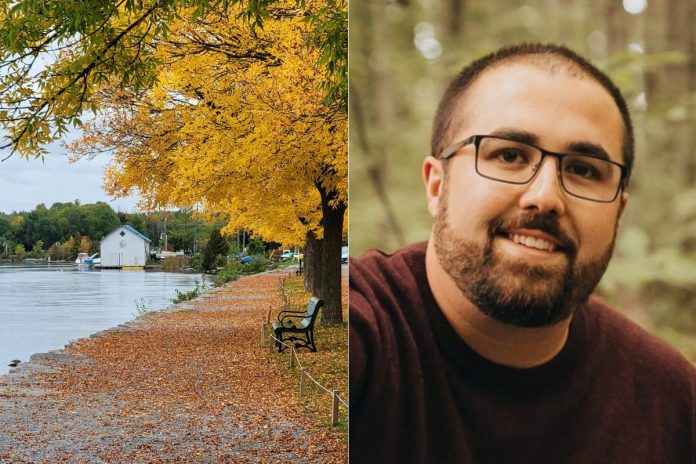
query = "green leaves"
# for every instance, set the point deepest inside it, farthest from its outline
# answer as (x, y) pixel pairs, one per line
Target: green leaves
(330, 36)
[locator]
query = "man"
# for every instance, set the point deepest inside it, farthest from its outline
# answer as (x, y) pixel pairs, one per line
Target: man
(483, 345)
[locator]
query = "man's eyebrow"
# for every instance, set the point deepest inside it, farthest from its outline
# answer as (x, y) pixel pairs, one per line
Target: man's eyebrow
(517, 135)
(579, 147)
(590, 149)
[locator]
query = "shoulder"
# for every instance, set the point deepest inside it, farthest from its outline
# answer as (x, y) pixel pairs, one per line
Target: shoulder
(376, 272)
(643, 381)
(388, 294)
(652, 362)
(383, 286)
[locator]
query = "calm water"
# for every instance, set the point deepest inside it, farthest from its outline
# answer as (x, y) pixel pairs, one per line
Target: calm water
(42, 308)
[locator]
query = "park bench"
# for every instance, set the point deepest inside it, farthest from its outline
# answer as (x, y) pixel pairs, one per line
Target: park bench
(297, 327)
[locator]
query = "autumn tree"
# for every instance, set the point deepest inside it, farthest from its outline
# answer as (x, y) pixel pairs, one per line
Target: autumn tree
(237, 120)
(85, 244)
(56, 251)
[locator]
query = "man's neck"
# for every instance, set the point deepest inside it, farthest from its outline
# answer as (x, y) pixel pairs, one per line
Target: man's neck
(500, 343)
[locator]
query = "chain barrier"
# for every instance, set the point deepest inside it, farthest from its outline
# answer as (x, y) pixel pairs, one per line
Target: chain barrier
(295, 361)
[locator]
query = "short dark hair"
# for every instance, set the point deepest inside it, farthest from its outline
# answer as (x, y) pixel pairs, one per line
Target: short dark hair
(549, 57)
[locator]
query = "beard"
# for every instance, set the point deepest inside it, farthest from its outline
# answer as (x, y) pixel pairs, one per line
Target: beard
(513, 291)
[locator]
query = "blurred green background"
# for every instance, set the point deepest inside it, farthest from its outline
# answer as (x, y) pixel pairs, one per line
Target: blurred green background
(402, 55)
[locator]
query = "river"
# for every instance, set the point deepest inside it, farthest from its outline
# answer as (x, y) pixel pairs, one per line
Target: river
(42, 308)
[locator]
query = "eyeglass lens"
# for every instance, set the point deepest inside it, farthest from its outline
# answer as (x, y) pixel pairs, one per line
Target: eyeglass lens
(516, 162)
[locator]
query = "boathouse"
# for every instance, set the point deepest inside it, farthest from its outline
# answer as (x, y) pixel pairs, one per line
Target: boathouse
(125, 247)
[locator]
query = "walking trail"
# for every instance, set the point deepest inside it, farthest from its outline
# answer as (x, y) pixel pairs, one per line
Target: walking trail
(190, 384)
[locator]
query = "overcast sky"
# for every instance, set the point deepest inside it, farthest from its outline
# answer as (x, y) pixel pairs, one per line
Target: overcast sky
(24, 184)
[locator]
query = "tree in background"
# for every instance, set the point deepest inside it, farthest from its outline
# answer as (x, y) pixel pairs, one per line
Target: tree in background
(101, 220)
(56, 252)
(38, 249)
(19, 250)
(217, 246)
(86, 245)
(138, 222)
(72, 247)
(256, 246)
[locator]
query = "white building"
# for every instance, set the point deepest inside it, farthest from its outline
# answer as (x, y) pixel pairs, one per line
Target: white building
(124, 247)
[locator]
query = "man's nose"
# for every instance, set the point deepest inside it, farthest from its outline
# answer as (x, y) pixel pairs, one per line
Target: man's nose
(544, 192)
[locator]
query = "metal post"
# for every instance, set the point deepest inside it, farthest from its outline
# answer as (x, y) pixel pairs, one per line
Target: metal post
(302, 382)
(334, 413)
(263, 333)
(292, 357)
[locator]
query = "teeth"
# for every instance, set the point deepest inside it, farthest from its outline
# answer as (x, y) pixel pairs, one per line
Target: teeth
(533, 242)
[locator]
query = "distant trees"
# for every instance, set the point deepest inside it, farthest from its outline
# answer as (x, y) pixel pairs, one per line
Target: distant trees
(66, 229)
(58, 223)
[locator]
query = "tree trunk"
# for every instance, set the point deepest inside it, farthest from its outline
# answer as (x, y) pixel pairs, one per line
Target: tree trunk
(332, 223)
(313, 255)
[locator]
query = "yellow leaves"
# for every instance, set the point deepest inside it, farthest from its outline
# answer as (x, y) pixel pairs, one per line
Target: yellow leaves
(236, 121)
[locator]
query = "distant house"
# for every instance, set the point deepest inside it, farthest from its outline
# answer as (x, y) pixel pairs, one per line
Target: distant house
(124, 247)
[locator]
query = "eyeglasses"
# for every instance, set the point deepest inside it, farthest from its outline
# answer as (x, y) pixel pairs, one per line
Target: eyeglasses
(513, 162)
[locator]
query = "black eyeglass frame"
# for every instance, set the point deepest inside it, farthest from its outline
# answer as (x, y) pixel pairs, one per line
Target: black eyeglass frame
(451, 150)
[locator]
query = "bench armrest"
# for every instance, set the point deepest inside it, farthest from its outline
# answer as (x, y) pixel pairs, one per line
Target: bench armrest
(290, 322)
(292, 319)
(284, 314)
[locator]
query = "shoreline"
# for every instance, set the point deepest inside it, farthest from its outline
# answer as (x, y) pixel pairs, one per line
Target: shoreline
(50, 360)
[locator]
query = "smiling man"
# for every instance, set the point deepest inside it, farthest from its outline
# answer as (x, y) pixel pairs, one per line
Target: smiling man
(483, 345)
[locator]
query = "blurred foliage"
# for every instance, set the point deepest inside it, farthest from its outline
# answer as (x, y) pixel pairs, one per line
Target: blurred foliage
(402, 57)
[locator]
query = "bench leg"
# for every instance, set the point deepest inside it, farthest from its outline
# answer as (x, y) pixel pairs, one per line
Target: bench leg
(278, 336)
(310, 340)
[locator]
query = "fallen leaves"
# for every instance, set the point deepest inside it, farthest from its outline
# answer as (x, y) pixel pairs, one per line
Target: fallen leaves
(181, 386)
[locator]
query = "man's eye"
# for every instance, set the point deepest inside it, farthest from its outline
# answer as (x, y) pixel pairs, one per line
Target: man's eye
(511, 156)
(583, 170)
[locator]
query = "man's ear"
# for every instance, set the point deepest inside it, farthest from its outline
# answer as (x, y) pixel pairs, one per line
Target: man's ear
(622, 203)
(433, 178)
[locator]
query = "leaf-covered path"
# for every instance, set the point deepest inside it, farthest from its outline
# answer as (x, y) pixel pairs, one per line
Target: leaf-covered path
(172, 386)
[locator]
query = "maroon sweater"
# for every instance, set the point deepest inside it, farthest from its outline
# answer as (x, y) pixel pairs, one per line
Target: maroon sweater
(614, 394)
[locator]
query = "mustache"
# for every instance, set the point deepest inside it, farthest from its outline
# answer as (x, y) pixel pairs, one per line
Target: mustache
(547, 223)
